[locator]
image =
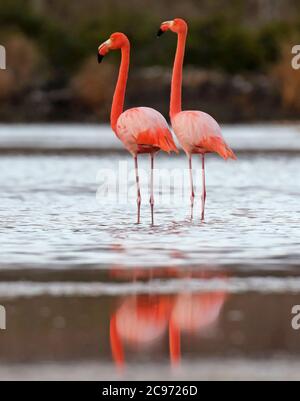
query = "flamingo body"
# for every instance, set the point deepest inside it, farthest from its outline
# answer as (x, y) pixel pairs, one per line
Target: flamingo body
(144, 130)
(141, 129)
(198, 132)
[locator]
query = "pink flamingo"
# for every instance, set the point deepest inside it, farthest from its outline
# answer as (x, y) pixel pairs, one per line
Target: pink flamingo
(141, 129)
(197, 132)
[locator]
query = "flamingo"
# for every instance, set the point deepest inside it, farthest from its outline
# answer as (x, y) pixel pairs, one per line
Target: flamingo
(197, 132)
(141, 129)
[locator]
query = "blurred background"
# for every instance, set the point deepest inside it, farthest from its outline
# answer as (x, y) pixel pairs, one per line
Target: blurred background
(237, 61)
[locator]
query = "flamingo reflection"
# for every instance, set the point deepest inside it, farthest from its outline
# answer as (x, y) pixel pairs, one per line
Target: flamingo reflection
(192, 314)
(139, 322)
(143, 320)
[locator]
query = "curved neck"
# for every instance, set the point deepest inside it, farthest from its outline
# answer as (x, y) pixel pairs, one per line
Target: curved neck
(175, 103)
(119, 95)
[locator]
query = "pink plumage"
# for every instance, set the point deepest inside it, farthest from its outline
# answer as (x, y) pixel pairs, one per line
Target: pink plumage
(141, 129)
(198, 132)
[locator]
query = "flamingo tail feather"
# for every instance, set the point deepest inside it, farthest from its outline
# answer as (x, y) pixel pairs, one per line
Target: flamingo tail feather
(161, 139)
(218, 145)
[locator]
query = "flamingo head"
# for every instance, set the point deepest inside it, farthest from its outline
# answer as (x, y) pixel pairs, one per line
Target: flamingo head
(178, 25)
(116, 41)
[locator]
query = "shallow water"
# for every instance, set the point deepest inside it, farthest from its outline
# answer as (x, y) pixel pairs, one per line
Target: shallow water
(51, 217)
(65, 249)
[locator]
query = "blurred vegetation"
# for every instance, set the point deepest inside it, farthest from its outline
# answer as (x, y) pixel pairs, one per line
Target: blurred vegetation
(51, 43)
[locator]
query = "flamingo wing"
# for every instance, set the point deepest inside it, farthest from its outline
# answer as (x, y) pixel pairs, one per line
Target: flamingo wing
(198, 132)
(143, 126)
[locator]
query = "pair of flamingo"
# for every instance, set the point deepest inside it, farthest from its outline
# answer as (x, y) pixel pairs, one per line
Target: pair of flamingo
(141, 320)
(145, 130)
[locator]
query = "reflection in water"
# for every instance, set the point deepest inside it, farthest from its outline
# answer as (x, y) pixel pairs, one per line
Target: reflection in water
(63, 244)
(142, 321)
(193, 314)
(139, 322)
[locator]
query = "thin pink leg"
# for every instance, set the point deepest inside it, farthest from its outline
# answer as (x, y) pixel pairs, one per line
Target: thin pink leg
(151, 189)
(203, 198)
(192, 187)
(138, 190)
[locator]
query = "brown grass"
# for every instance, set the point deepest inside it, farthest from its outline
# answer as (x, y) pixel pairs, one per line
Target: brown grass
(94, 84)
(22, 64)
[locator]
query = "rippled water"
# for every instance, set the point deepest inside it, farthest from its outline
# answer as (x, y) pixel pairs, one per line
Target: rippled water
(68, 248)
(50, 215)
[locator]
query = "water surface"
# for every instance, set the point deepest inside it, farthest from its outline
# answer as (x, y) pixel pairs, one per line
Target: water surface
(79, 263)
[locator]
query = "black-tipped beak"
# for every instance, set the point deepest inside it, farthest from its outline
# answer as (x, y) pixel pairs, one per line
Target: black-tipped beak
(159, 33)
(100, 58)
